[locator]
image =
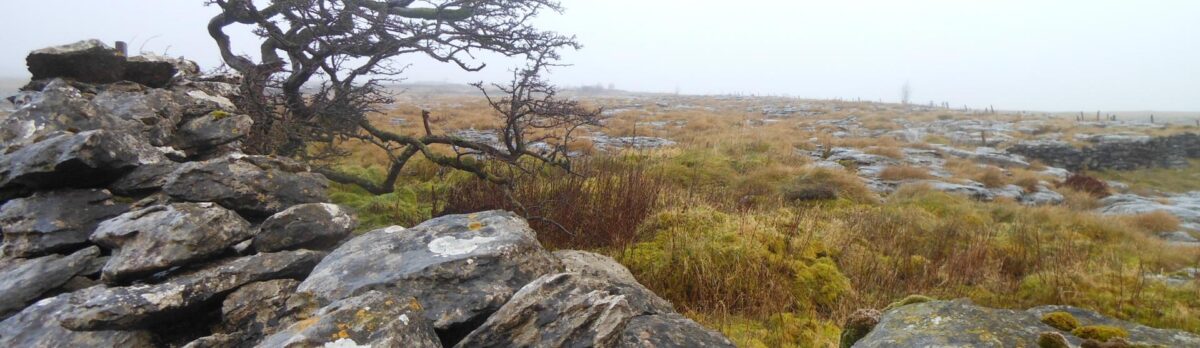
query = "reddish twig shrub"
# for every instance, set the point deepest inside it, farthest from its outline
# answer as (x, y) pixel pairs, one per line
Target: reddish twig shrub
(1085, 183)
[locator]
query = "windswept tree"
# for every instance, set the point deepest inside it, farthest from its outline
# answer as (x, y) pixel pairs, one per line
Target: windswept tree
(323, 66)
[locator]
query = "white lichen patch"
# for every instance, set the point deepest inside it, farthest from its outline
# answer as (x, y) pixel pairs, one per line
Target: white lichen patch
(404, 319)
(344, 343)
(340, 219)
(451, 246)
(393, 229)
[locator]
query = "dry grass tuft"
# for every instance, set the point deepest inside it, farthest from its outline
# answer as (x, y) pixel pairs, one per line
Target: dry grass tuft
(904, 172)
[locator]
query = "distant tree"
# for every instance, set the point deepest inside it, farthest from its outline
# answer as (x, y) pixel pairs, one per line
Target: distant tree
(905, 93)
(324, 64)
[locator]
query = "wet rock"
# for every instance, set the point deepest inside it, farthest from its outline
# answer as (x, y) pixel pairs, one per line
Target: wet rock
(58, 107)
(54, 221)
(316, 226)
(669, 330)
(158, 238)
(954, 324)
(251, 185)
(577, 310)
(233, 340)
(461, 268)
(973, 190)
(156, 71)
(37, 327)
(589, 263)
(144, 179)
(143, 304)
(86, 159)
(152, 113)
(1043, 196)
(202, 134)
(258, 309)
(1186, 207)
(373, 319)
(26, 279)
(1138, 334)
(88, 61)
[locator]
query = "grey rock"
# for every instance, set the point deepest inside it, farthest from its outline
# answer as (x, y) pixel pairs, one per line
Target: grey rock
(373, 319)
(87, 159)
(577, 310)
(156, 71)
(204, 133)
(220, 340)
(139, 305)
(157, 238)
(669, 330)
(27, 279)
(461, 268)
(957, 323)
(89, 61)
(1138, 334)
(144, 179)
(251, 185)
(58, 107)
(258, 309)
(1043, 196)
(54, 221)
(973, 190)
(316, 226)
(37, 327)
(593, 264)
(151, 113)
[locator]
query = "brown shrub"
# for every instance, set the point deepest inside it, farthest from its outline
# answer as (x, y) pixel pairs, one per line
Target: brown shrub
(601, 208)
(899, 173)
(991, 177)
(1155, 221)
(1084, 183)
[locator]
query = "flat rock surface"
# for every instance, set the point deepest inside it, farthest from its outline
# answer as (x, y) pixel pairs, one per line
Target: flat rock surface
(252, 185)
(26, 279)
(136, 306)
(461, 268)
(53, 221)
(37, 327)
(160, 237)
(373, 319)
(316, 226)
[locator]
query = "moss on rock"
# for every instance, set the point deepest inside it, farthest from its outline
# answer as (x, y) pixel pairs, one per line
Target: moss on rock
(1061, 320)
(1100, 332)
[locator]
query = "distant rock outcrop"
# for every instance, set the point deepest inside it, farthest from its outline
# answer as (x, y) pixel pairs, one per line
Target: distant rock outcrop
(131, 219)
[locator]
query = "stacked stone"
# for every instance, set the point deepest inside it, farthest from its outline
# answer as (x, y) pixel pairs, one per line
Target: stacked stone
(130, 219)
(1115, 152)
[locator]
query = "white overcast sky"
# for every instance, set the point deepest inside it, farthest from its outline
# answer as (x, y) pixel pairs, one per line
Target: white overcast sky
(1014, 54)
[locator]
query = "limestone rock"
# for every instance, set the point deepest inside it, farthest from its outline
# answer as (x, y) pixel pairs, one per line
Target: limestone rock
(87, 159)
(1138, 334)
(58, 107)
(373, 319)
(37, 327)
(316, 226)
(201, 134)
(461, 268)
(151, 113)
(144, 179)
(139, 305)
(26, 279)
(669, 330)
(252, 185)
(89, 61)
(258, 308)
(577, 310)
(54, 221)
(955, 323)
(158, 238)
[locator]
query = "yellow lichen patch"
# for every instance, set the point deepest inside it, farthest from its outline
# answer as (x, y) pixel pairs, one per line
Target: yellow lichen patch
(414, 305)
(306, 323)
(217, 115)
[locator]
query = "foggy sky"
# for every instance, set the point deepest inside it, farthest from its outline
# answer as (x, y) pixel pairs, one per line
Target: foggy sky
(1016, 55)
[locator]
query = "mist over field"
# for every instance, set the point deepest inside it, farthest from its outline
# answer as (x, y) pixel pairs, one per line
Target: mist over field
(1015, 55)
(584, 173)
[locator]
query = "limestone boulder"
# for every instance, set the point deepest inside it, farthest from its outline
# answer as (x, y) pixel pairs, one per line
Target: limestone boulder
(157, 238)
(251, 185)
(461, 268)
(316, 226)
(54, 221)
